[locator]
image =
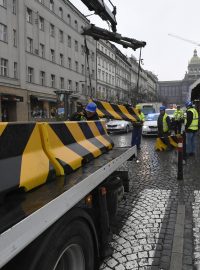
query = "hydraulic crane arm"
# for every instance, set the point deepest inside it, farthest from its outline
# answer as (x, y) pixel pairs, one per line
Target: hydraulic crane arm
(99, 33)
(101, 9)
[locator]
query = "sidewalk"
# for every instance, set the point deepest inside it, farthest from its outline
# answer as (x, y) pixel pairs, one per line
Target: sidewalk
(158, 226)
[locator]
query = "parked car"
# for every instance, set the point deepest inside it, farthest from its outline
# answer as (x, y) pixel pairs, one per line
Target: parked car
(118, 126)
(170, 112)
(150, 126)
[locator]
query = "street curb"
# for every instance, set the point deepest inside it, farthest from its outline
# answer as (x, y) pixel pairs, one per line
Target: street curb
(178, 240)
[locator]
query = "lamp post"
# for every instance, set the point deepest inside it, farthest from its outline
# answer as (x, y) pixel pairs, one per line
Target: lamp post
(138, 74)
(63, 95)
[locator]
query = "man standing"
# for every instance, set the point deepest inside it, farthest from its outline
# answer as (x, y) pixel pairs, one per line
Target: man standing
(137, 128)
(191, 127)
(164, 126)
(178, 118)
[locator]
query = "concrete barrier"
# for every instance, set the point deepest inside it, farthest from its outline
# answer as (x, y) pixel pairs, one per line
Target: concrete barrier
(23, 162)
(71, 144)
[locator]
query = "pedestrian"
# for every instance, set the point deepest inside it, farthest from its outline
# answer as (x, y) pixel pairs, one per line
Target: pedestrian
(79, 115)
(91, 111)
(164, 127)
(137, 128)
(178, 117)
(191, 128)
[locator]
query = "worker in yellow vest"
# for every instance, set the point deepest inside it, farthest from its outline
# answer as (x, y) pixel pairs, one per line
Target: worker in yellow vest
(178, 117)
(137, 128)
(191, 128)
(164, 127)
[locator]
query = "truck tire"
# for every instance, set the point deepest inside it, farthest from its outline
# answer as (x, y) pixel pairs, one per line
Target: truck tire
(72, 250)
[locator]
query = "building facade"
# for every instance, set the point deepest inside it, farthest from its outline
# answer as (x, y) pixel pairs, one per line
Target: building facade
(42, 52)
(176, 92)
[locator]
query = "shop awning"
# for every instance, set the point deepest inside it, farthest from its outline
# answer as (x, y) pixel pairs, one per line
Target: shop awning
(44, 99)
(11, 98)
(114, 111)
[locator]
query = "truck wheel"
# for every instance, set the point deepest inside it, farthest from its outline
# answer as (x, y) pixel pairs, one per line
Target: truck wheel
(69, 248)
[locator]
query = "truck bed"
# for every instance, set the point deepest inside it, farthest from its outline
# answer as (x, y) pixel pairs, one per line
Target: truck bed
(25, 216)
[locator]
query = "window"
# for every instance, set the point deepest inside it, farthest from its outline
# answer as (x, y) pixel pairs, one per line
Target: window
(61, 36)
(69, 63)
(15, 70)
(62, 83)
(42, 50)
(52, 30)
(76, 45)
(53, 80)
(83, 89)
(69, 19)
(3, 3)
(29, 45)
(29, 15)
(69, 85)
(60, 12)
(42, 77)
(82, 49)
(52, 55)
(76, 66)
(92, 56)
(69, 41)
(3, 32)
(76, 25)
(41, 23)
(14, 7)
(93, 74)
(82, 69)
(30, 74)
(51, 5)
(77, 87)
(14, 38)
(4, 67)
(61, 59)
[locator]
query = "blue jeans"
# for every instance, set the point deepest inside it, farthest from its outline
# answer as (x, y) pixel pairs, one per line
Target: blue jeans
(190, 142)
(136, 136)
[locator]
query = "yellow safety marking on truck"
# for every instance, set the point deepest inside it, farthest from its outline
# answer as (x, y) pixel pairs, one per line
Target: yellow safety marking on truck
(2, 127)
(35, 163)
(81, 139)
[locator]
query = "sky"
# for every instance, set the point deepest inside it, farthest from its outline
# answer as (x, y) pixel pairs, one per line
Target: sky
(152, 21)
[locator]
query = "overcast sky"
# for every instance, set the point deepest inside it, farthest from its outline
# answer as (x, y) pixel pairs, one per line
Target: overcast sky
(152, 21)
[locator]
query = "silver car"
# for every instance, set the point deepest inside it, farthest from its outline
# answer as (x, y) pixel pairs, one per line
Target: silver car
(118, 126)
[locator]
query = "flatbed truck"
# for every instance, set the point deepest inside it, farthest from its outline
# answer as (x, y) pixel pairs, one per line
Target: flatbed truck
(64, 224)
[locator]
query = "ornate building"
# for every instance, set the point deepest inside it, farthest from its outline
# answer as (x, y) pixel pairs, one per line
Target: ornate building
(176, 92)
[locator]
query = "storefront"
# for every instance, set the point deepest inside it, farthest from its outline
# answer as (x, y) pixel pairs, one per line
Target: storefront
(42, 107)
(8, 107)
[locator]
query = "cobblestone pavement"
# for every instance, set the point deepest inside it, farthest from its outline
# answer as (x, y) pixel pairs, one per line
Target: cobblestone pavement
(158, 225)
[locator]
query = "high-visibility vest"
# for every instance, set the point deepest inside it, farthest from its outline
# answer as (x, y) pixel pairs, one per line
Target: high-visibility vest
(195, 120)
(178, 115)
(165, 125)
(141, 116)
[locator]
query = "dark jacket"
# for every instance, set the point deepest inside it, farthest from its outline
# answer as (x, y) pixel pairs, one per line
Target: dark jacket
(92, 118)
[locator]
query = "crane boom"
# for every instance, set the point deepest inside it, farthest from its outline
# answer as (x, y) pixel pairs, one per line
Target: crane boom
(185, 39)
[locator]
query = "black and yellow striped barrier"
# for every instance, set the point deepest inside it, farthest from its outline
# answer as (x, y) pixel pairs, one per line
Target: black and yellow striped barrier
(161, 145)
(71, 144)
(114, 111)
(23, 162)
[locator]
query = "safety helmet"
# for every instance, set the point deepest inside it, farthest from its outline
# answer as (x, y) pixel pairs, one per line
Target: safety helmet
(188, 103)
(91, 107)
(138, 107)
(162, 108)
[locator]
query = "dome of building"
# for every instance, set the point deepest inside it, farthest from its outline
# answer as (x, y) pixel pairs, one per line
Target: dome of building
(195, 60)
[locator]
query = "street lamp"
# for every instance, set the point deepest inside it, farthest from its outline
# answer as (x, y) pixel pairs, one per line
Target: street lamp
(63, 95)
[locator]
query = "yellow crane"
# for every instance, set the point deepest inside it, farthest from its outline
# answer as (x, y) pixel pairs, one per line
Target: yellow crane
(184, 39)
